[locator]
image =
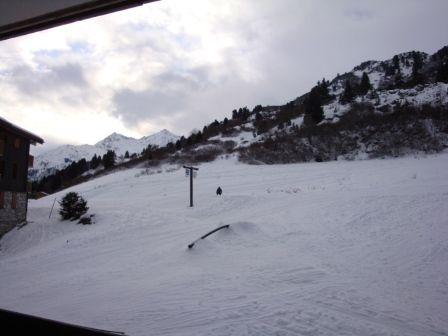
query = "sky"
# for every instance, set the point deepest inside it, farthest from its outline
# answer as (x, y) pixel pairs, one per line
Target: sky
(178, 64)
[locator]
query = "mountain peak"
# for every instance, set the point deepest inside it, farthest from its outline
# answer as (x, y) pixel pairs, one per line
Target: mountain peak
(116, 135)
(160, 138)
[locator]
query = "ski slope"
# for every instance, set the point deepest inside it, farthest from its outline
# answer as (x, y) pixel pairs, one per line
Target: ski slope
(336, 248)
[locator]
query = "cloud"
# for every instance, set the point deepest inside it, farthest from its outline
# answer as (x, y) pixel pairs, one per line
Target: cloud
(49, 78)
(167, 95)
(136, 106)
(359, 14)
(178, 65)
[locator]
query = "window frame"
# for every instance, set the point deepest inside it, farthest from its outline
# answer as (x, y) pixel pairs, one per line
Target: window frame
(2, 168)
(17, 143)
(2, 144)
(15, 171)
(14, 200)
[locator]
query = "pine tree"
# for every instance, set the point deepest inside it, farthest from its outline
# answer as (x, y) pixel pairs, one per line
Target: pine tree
(245, 113)
(417, 77)
(109, 159)
(94, 162)
(399, 79)
(396, 62)
(257, 109)
(313, 106)
(126, 155)
(73, 206)
(442, 73)
(197, 137)
(347, 96)
(178, 145)
(365, 85)
(322, 89)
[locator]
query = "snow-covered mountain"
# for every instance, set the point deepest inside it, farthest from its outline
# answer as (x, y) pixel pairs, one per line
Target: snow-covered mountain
(60, 157)
(120, 143)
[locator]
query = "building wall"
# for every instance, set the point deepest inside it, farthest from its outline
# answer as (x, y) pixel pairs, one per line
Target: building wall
(13, 177)
(14, 156)
(9, 217)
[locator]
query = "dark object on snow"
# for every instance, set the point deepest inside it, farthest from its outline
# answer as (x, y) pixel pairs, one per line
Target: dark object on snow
(86, 220)
(21, 324)
(73, 206)
(219, 191)
(191, 171)
(208, 234)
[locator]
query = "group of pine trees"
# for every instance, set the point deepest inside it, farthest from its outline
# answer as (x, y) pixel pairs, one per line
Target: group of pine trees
(441, 57)
(317, 97)
(353, 89)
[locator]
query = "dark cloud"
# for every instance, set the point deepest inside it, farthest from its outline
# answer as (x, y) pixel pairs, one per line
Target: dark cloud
(135, 106)
(168, 95)
(359, 14)
(47, 78)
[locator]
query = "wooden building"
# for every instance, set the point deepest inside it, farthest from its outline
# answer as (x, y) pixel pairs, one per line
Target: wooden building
(14, 163)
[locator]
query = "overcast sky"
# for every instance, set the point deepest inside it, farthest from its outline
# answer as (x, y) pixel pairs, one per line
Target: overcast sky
(179, 64)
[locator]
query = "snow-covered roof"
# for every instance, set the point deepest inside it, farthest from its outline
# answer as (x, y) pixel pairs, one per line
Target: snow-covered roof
(10, 127)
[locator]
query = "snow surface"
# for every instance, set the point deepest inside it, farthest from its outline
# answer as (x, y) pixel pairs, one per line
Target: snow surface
(435, 94)
(432, 94)
(336, 248)
(242, 138)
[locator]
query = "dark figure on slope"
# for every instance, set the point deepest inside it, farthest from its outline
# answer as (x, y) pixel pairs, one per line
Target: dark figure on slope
(219, 191)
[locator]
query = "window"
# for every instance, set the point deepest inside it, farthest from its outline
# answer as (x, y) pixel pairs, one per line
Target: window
(2, 199)
(2, 145)
(17, 143)
(14, 201)
(15, 170)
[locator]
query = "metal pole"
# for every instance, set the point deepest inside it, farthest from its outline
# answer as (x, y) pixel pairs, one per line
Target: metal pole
(191, 187)
(190, 171)
(52, 208)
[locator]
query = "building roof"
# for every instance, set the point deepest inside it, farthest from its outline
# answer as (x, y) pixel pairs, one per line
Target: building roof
(28, 16)
(10, 127)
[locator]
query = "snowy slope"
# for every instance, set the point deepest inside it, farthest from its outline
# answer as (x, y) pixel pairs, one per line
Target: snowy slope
(336, 248)
(62, 156)
(435, 94)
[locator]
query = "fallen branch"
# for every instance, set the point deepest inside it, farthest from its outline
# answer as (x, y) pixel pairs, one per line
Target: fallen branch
(208, 234)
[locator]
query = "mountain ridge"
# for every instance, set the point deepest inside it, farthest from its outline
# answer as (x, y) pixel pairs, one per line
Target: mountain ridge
(60, 157)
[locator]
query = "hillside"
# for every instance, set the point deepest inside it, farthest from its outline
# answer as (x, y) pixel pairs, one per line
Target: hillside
(335, 248)
(379, 109)
(383, 109)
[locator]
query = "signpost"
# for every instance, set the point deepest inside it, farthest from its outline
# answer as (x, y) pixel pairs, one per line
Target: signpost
(191, 172)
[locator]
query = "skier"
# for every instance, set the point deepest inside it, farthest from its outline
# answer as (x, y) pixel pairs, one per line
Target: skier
(219, 191)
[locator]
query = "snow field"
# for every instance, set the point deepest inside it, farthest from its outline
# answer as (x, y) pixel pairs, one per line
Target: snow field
(336, 248)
